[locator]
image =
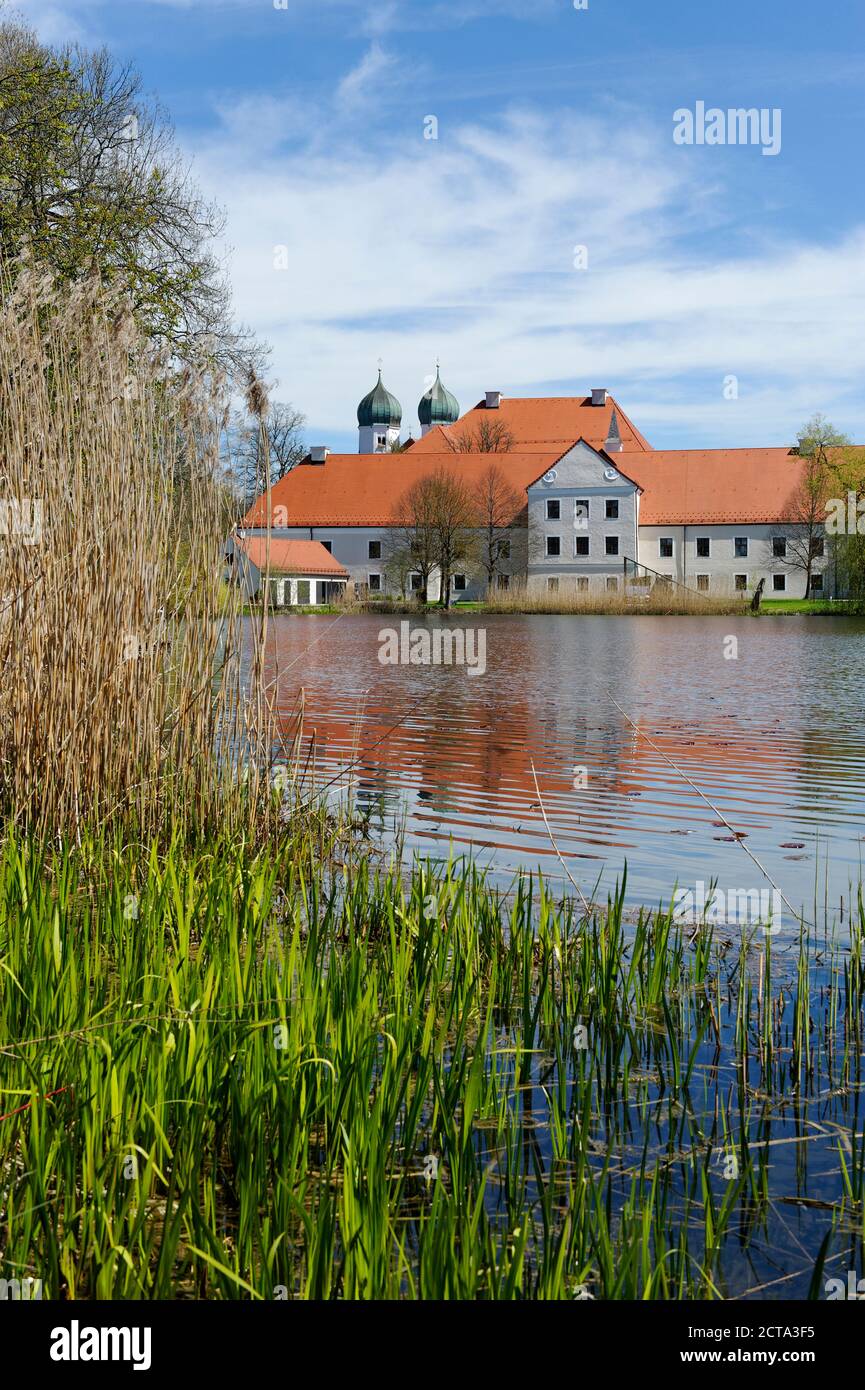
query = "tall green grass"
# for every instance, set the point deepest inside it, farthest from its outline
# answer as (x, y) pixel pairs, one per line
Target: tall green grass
(238, 1074)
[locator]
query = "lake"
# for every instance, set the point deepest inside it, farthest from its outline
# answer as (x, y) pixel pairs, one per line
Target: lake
(770, 728)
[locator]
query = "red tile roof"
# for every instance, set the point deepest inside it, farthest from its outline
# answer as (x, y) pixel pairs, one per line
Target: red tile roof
(543, 422)
(291, 557)
(714, 486)
(363, 489)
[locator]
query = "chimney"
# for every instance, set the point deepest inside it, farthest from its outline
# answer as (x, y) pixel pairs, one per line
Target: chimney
(599, 395)
(494, 400)
(318, 453)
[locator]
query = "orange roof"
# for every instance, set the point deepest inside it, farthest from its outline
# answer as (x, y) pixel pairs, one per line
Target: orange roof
(714, 486)
(543, 422)
(291, 557)
(363, 489)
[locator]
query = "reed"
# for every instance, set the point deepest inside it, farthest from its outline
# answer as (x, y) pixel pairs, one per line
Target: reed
(660, 600)
(119, 641)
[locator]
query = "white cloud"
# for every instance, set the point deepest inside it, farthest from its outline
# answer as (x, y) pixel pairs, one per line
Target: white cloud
(362, 81)
(464, 247)
(55, 24)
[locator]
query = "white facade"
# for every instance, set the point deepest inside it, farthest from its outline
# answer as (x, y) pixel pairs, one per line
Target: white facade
(739, 556)
(587, 511)
(583, 527)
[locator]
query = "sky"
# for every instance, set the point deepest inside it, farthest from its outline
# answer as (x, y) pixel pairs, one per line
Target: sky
(555, 235)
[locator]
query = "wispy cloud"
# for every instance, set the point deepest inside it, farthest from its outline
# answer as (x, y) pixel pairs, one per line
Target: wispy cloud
(364, 79)
(464, 246)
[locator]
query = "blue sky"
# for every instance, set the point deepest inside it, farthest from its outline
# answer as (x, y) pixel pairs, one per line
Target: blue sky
(555, 130)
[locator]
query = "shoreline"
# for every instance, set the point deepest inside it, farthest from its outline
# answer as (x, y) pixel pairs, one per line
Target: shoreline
(785, 608)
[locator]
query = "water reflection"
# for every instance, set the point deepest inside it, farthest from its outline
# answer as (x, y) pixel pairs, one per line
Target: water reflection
(775, 738)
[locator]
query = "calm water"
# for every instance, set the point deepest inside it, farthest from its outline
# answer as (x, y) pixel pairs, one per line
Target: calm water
(775, 738)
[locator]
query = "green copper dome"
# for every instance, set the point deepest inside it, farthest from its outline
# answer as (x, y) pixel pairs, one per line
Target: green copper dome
(379, 407)
(438, 406)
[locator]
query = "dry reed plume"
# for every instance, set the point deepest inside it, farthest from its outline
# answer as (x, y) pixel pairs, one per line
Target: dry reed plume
(118, 639)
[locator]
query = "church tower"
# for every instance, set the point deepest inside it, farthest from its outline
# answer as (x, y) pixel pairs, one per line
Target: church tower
(379, 417)
(438, 406)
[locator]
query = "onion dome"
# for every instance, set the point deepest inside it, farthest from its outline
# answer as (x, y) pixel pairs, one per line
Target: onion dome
(438, 406)
(379, 407)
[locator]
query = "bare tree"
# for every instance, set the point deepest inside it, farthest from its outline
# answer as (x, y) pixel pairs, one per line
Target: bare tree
(398, 563)
(455, 517)
(487, 437)
(496, 504)
(435, 520)
(414, 531)
(278, 439)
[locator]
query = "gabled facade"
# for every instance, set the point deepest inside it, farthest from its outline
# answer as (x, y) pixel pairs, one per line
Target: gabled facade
(595, 501)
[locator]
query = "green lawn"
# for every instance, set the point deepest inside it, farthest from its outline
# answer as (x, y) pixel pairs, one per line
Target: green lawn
(837, 607)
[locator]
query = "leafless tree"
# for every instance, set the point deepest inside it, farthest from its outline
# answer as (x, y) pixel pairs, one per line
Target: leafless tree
(435, 519)
(487, 437)
(413, 531)
(496, 504)
(398, 563)
(279, 439)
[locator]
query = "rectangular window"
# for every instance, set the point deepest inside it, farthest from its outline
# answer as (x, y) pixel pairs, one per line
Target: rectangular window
(328, 545)
(380, 442)
(415, 582)
(818, 548)
(581, 545)
(459, 582)
(375, 583)
(702, 582)
(665, 547)
(553, 585)
(554, 509)
(505, 550)
(741, 581)
(503, 581)
(740, 547)
(303, 591)
(611, 546)
(612, 583)
(374, 550)
(612, 509)
(704, 547)
(779, 547)
(779, 583)
(581, 513)
(582, 581)
(554, 546)
(817, 583)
